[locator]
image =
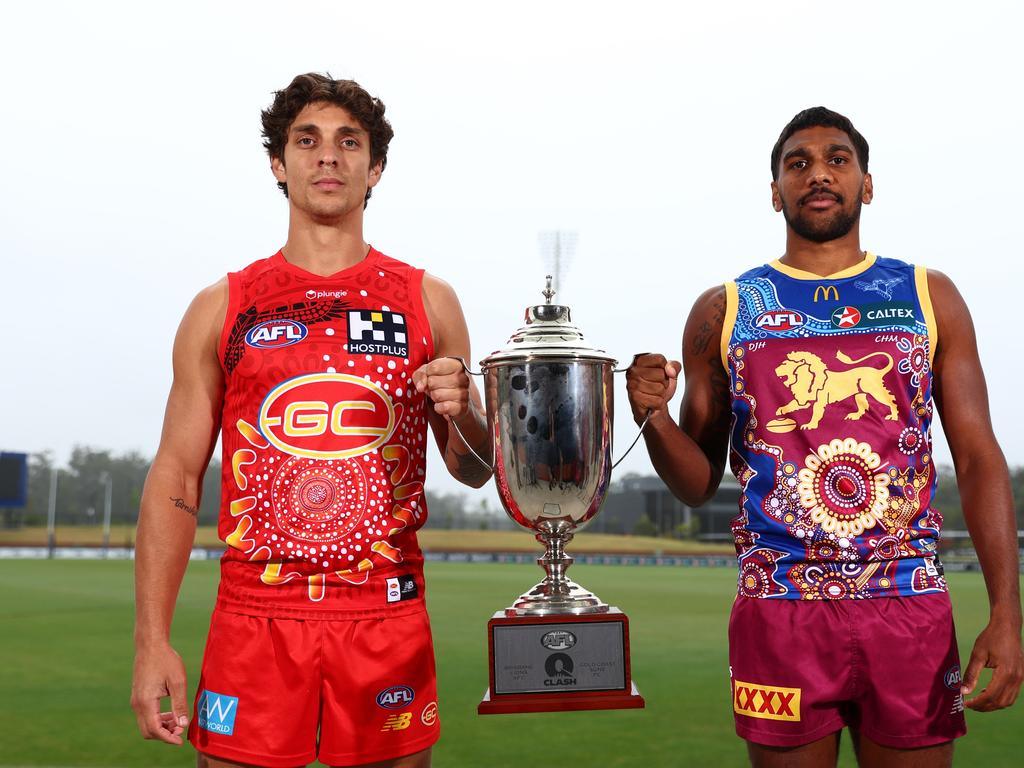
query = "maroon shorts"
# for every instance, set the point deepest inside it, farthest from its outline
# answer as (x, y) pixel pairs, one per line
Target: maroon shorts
(284, 692)
(887, 667)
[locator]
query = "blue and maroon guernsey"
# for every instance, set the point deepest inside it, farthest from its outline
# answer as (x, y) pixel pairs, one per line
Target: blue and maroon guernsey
(831, 440)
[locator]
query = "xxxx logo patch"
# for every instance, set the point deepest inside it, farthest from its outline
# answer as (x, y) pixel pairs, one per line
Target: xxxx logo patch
(766, 702)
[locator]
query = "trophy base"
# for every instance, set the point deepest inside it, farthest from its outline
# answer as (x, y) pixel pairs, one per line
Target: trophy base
(541, 601)
(550, 663)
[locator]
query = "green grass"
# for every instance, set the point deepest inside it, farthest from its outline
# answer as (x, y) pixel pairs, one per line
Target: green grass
(66, 655)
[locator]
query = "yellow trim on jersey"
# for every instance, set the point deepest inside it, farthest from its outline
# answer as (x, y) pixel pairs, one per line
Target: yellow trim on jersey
(732, 303)
(861, 266)
(923, 296)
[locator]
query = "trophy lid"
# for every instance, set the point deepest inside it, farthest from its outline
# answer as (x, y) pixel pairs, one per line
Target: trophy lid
(549, 332)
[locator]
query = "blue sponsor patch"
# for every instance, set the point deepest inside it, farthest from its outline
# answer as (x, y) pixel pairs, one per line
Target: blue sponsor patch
(217, 712)
(395, 697)
(276, 333)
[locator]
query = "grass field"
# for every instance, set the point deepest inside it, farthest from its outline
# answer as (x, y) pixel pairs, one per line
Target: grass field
(66, 656)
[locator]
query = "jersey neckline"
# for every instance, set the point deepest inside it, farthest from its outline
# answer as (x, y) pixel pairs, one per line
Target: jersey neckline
(798, 274)
(279, 261)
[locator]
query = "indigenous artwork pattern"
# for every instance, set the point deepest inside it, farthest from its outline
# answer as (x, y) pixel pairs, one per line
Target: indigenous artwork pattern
(831, 437)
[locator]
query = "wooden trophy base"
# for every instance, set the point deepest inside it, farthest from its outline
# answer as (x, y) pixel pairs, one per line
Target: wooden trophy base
(559, 663)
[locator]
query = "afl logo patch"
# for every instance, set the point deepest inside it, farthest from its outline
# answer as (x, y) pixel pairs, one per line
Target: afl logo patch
(395, 697)
(779, 320)
(276, 333)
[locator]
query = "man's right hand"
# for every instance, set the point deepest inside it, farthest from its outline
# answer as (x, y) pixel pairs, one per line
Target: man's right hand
(651, 383)
(159, 673)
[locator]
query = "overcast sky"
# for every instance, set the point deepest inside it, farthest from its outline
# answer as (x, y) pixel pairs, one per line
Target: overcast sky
(135, 173)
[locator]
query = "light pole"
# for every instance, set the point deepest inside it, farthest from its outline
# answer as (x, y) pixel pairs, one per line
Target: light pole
(51, 517)
(108, 481)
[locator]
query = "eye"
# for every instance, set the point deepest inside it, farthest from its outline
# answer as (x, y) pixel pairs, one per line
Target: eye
(798, 165)
(305, 141)
(839, 160)
(349, 143)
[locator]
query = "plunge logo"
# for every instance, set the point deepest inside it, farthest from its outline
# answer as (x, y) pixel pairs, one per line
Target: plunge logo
(217, 712)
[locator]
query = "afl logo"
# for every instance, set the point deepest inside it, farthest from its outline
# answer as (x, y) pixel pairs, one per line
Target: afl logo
(276, 333)
(395, 697)
(952, 677)
(558, 640)
(779, 320)
(327, 416)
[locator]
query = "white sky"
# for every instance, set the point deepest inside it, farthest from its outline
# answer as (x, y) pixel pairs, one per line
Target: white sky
(135, 174)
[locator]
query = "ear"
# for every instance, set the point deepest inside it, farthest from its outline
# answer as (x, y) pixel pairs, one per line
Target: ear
(277, 168)
(374, 175)
(776, 198)
(869, 190)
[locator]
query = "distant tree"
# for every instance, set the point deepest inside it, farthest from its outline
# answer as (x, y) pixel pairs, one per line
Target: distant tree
(644, 527)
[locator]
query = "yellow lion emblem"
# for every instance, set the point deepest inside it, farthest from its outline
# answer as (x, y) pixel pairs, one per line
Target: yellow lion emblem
(815, 386)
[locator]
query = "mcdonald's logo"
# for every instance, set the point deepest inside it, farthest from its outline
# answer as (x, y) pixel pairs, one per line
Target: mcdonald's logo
(826, 291)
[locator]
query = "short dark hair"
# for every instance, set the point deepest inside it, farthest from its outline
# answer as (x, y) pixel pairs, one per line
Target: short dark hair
(815, 117)
(312, 88)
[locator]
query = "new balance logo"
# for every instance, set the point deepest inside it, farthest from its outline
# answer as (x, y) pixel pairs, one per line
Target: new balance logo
(217, 712)
(766, 702)
(397, 722)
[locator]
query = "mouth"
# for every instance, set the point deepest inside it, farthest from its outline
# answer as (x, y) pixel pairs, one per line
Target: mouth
(820, 201)
(329, 183)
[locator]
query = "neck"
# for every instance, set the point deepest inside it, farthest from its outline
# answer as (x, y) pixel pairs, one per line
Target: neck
(823, 258)
(325, 247)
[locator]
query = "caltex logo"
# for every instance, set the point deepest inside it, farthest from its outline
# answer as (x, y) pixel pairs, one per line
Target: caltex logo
(846, 317)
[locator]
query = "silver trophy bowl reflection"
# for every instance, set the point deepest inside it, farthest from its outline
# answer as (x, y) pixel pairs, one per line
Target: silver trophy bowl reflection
(549, 402)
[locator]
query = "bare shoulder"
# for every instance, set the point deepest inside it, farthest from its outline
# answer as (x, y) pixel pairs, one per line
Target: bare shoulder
(437, 293)
(704, 326)
(201, 326)
(444, 313)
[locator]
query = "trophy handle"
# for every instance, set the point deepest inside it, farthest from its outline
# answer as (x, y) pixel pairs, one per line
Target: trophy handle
(465, 442)
(635, 441)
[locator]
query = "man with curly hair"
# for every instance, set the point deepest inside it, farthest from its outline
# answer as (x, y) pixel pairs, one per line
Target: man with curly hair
(816, 374)
(320, 368)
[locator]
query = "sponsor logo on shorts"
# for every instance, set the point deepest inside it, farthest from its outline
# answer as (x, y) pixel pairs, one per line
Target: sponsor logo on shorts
(779, 320)
(217, 712)
(395, 697)
(401, 588)
(558, 640)
(766, 702)
(397, 722)
(952, 678)
(276, 333)
(429, 714)
(377, 332)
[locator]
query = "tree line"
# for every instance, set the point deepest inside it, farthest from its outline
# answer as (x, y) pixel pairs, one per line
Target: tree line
(81, 487)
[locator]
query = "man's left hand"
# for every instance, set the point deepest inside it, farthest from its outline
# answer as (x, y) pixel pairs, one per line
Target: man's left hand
(998, 647)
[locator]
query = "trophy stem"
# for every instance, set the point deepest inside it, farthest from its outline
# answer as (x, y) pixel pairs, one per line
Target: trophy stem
(556, 594)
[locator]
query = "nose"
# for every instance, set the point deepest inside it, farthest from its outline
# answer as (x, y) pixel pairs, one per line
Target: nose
(328, 158)
(821, 173)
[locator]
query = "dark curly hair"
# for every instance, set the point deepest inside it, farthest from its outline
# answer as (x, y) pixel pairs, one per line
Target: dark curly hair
(312, 88)
(816, 117)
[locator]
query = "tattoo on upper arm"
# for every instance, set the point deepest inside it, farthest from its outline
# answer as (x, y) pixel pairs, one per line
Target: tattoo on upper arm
(180, 504)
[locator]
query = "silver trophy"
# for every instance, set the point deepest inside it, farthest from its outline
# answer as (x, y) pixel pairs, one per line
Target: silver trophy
(549, 399)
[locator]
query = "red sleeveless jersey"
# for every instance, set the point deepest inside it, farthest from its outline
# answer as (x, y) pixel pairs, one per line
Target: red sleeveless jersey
(324, 440)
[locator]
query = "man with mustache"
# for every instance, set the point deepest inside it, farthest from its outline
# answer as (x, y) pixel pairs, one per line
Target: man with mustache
(816, 374)
(320, 368)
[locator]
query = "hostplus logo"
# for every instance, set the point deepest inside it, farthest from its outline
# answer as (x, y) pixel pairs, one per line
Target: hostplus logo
(217, 712)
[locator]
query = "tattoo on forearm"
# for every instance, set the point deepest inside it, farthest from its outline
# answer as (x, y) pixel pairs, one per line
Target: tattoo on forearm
(467, 468)
(180, 504)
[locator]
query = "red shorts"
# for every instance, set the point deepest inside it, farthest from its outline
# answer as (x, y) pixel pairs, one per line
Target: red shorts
(887, 667)
(284, 692)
